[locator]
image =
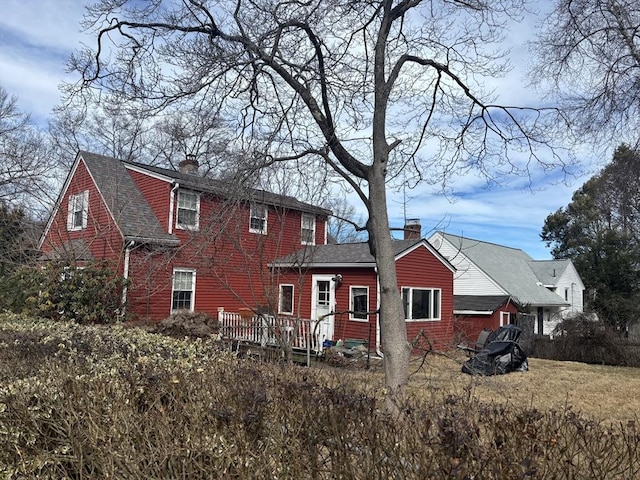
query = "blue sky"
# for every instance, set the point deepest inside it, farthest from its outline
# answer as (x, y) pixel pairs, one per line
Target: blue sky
(37, 37)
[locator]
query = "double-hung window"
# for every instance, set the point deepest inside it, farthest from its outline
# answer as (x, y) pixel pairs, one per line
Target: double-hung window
(359, 303)
(308, 229)
(421, 303)
(285, 305)
(184, 289)
(188, 210)
(78, 211)
(258, 219)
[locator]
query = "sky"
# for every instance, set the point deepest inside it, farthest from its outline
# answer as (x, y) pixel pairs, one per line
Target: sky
(37, 37)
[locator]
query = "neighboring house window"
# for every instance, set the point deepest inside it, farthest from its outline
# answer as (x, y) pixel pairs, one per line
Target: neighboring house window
(258, 219)
(308, 229)
(359, 303)
(421, 303)
(285, 305)
(184, 288)
(566, 294)
(188, 210)
(78, 211)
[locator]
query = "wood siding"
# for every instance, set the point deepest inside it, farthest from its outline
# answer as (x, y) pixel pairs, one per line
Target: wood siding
(101, 234)
(469, 279)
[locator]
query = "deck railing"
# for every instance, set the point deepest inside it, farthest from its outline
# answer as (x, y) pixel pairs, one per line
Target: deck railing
(269, 330)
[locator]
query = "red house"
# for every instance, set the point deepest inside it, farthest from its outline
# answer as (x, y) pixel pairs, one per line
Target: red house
(318, 280)
(187, 242)
(183, 240)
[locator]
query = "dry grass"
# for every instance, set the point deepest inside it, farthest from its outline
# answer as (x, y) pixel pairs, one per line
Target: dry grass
(604, 393)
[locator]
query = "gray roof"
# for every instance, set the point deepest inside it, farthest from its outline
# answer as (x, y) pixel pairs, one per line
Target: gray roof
(231, 190)
(354, 254)
(130, 210)
(479, 303)
(548, 271)
(511, 268)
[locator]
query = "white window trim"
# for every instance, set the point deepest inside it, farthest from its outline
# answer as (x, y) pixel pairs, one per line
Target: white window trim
(71, 210)
(193, 288)
(293, 290)
(183, 226)
(410, 301)
(265, 218)
(351, 306)
(313, 229)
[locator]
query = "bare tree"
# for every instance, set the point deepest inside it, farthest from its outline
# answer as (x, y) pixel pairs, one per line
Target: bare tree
(25, 167)
(375, 89)
(589, 56)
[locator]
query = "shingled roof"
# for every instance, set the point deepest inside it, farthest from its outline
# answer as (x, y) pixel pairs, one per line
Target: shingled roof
(511, 268)
(478, 303)
(225, 189)
(346, 254)
(127, 205)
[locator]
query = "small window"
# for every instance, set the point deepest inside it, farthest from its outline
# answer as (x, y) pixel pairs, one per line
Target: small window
(258, 219)
(566, 294)
(359, 303)
(421, 303)
(184, 286)
(285, 305)
(308, 229)
(78, 210)
(188, 210)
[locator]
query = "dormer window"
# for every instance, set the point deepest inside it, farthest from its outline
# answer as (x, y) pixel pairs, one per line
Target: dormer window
(258, 219)
(188, 210)
(308, 229)
(78, 211)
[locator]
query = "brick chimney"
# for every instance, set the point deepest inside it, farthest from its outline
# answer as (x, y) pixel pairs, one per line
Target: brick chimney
(412, 229)
(189, 165)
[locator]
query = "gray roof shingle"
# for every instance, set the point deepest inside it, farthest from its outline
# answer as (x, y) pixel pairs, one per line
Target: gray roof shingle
(480, 303)
(356, 254)
(129, 209)
(226, 189)
(508, 267)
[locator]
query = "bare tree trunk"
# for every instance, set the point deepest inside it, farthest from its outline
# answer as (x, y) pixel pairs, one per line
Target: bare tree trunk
(393, 332)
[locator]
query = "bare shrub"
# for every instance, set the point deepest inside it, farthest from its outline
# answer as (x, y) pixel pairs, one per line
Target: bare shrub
(150, 406)
(581, 339)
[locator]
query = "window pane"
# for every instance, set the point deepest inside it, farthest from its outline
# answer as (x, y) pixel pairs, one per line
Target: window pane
(405, 302)
(420, 304)
(187, 209)
(360, 302)
(323, 293)
(286, 298)
(436, 304)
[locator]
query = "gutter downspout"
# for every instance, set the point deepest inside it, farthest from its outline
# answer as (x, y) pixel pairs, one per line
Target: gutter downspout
(172, 201)
(125, 274)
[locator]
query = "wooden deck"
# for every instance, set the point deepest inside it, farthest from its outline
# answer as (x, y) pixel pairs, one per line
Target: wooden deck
(271, 332)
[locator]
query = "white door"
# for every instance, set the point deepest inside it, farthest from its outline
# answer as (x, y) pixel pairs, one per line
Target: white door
(323, 293)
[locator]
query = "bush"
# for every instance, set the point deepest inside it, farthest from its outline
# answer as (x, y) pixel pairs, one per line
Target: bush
(188, 324)
(92, 294)
(122, 403)
(582, 339)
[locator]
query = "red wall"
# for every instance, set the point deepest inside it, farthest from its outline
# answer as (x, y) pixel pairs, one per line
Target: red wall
(468, 327)
(101, 234)
(417, 269)
(230, 262)
(421, 268)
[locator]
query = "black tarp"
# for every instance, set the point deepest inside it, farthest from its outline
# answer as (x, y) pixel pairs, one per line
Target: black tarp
(497, 358)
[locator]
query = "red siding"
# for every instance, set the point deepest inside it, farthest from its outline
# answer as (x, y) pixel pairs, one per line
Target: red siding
(230, 262)
(468, 327)
(101, 233)
(417, 269)
(422, 269)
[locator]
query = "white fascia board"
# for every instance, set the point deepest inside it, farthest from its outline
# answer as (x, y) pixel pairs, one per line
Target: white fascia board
(473, 312)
